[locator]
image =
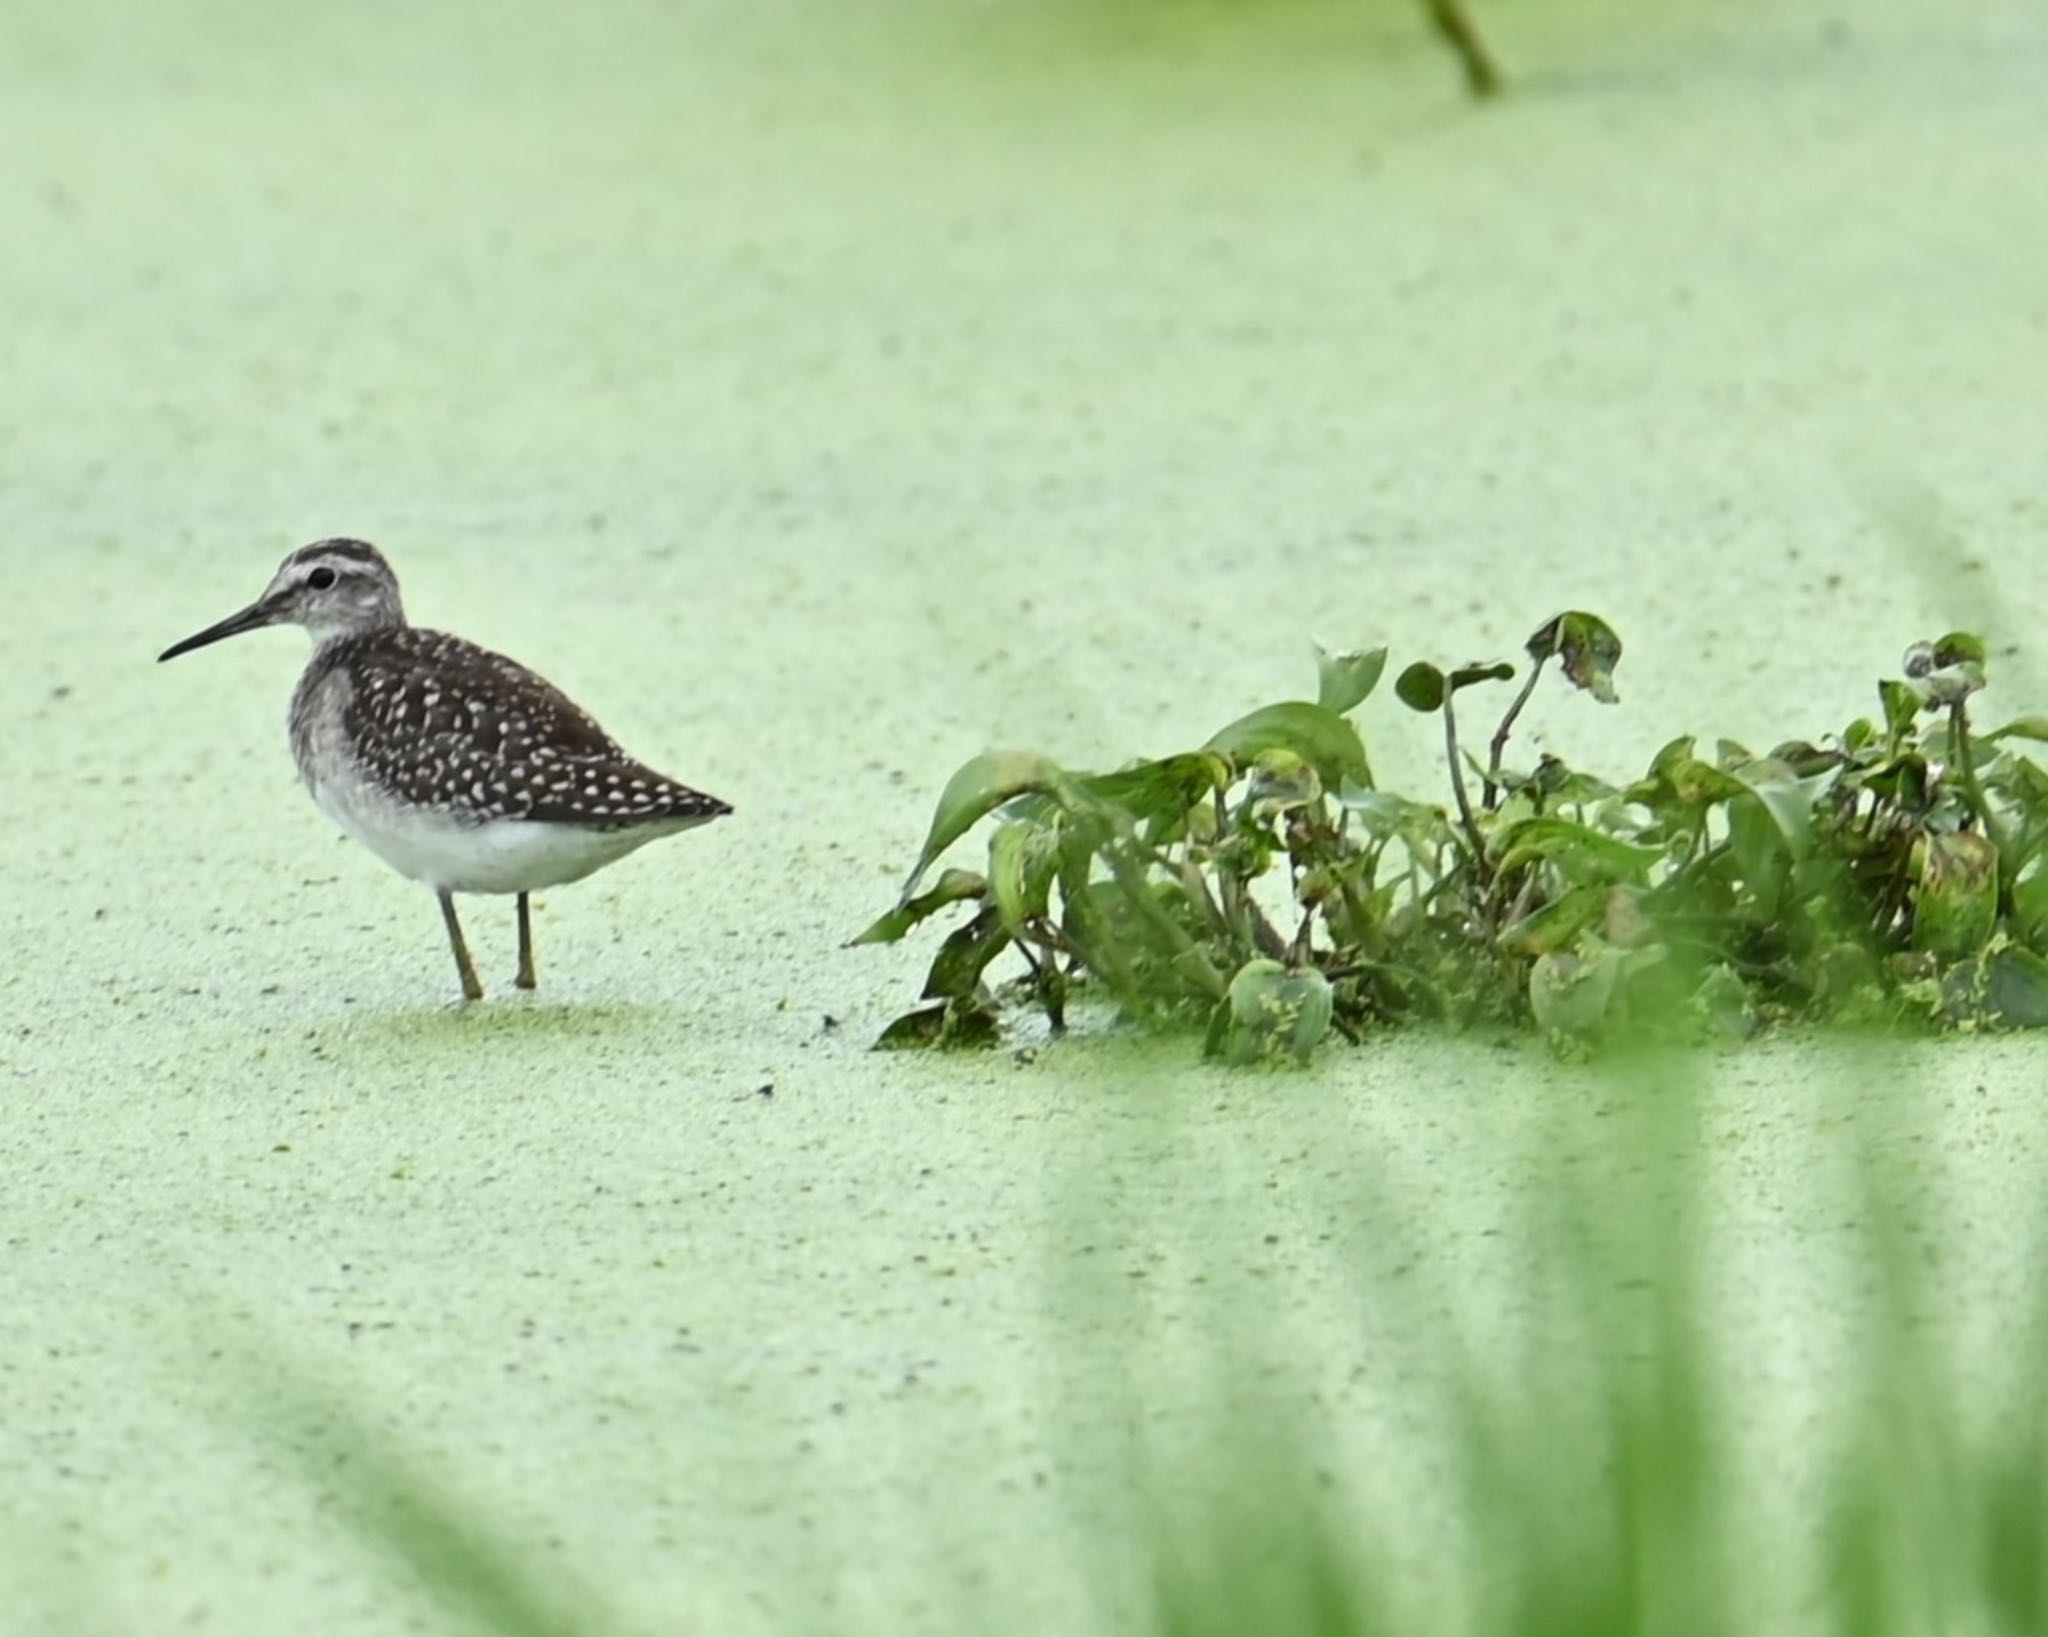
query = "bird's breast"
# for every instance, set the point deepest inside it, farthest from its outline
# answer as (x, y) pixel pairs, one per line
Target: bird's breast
(319, 733)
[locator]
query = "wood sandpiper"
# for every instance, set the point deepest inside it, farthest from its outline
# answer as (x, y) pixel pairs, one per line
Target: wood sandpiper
(456, 766)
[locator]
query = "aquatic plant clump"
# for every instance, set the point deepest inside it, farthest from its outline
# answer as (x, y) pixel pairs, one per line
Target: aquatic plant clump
(1265, 889)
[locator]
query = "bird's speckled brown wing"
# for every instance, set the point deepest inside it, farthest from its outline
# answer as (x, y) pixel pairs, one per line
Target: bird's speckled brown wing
(446, 724)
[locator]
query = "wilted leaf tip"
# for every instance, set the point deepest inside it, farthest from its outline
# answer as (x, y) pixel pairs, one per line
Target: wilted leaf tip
(1588, 647)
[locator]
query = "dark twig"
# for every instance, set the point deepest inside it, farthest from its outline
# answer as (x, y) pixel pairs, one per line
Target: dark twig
(1482, 75)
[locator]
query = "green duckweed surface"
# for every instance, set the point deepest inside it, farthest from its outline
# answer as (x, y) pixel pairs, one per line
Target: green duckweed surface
(824, 398)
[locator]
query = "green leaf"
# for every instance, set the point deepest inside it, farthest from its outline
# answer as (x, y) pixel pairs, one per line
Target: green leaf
(1570, 993)
(1770, 826)
(1275, 1010)
(1320, 737)
(1948, 672)
(2016, 988)
(1721, 1001)
(1952, 684)
(1677, 770)
(1281, 782)
(980, 787)
(951, 1026)
(1806, 759)
(1021, 858)
(1956, 908)
(1681, 749)
(1787, 798)
(1164, 789)
(1565, 787)
(1345, 681)
(1558, 923)
(1901, 779)
(1901, 706)
(1701, 784)
(2030, 906)
(1384, 815)
(2021, 727)
(1496, 670)
(957, 968)
(1421, 687)
(1761, 854)
(1588, 647)
(1577, 849)
(1216, 1035)
(1959, 648)
(951, 887)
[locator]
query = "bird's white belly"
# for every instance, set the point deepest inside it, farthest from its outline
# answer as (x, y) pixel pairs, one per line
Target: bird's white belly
(454, 854)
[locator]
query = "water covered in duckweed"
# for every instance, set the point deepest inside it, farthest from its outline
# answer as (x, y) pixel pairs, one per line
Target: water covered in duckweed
(825, 400)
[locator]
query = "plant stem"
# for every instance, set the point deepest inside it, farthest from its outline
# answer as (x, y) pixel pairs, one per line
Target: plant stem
(1197, 889)
(1482, 76)
(1500, 734)
(1458, 786)
(1264, 933)
(1051, 941)
(1051, 988)
(1358, 926)
(1966, 764)
(1298, 952)
(1523, 899)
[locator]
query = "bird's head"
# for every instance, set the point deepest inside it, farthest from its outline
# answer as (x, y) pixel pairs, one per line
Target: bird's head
(334, 588)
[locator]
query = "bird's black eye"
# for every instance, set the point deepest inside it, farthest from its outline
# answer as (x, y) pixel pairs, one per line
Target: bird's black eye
(320, 579)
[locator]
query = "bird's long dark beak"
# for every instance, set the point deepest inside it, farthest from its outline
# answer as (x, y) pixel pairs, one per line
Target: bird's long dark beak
(257, 614)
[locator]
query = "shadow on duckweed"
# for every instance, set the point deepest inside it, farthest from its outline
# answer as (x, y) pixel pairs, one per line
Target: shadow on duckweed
(1586, 1448)
(428, 1531)
(619, 1025)
(1594, 1464)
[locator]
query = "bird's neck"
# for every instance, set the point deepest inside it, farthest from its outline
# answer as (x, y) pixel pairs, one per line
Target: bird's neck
(358, 623)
